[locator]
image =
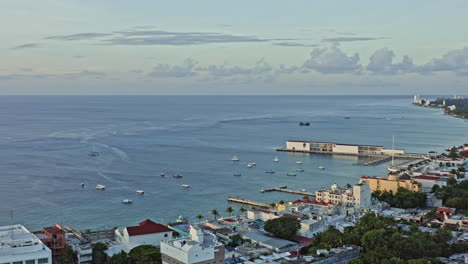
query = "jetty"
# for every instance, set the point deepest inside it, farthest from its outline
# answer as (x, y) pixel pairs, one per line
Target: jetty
(248, 202)
(374, 161)
(289, 191)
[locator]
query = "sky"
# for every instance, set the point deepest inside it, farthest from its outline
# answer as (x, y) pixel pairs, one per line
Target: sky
(199, 47)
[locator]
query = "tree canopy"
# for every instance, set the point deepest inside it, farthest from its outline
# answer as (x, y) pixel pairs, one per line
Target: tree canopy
(283, 227)
(403, 198)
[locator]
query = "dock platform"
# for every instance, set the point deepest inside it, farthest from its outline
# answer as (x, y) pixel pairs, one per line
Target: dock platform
(289, 191)
(248, 202)
(374, 161)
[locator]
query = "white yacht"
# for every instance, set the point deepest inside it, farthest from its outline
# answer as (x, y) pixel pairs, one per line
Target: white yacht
(185, 185)
(250, 165)
(162, 174)
(237, 174)
(298, 162)
(321, 167)
(302, 190)
(100, 187)
(291, 174)
(140, 192)
(276, 159)
(392, 168)
(126, 201)
(235, 158)
(300, 169)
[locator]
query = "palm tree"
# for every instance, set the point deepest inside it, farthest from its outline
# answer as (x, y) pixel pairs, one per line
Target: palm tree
(273, 205)
(242, 210)
(200, 217)
(229, 210)
(215, 213)
(281, 202)
(348, 186)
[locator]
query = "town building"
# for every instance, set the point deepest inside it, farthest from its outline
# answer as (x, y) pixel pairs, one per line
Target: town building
(261, 214)
(391, 183)
(199, 248)
(18, 245)
(359, 196)
(340, 149)
(427, 182)
(84, 253)
(145, 233)
(276, 244)
(54, 238)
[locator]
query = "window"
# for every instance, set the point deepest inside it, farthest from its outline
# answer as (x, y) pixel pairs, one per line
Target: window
(42, 261)
(165, 235)
(32, 261)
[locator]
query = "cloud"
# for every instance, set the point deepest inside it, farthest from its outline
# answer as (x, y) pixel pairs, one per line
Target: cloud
(454, 61)
(174, 71)
(8, 77)
(80, 36)
(218, 71)
(294, 44)
(26, 46)
(86, 74)
(381, 62)
(332, 61)
(349, 39)
(160, 37)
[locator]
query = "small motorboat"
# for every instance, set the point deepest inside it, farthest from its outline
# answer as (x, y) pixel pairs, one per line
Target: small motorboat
(321, 167)
(185, 185)
(388, 118)
(140, 192)
(126, 201)
(300, 169)
(262, 190)
(178, 176)
(276, 159)
(298, 162)
(302, 190)
(282, 187)
(291, 174)
(162, 174)
(237, 174)
(304, 124)
(235, 158)
(82, 185)
(270, 171)
(250, 165)
(93, 153)
(347, 117)
(100, 187)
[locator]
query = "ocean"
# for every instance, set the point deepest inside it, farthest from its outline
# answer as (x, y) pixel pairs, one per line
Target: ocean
(45, 141)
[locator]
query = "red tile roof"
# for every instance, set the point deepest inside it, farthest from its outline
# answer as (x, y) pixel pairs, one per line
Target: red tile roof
(229, 220)
(425, 177)
(147, 227)
(53, 230)
(445, 210)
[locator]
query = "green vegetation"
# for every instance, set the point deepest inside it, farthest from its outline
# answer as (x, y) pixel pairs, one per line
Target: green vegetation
(99, 257)
(402, 199)
(145, 254)
(453, 195)
(236, 240)
(215, 213)
(283, 227)
(383, 242)
(229, 210)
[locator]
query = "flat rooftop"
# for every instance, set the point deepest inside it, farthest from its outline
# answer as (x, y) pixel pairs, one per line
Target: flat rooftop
(319, 142)
(16, 239)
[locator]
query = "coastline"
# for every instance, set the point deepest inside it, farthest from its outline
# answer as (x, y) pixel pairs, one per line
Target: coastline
(444, 110)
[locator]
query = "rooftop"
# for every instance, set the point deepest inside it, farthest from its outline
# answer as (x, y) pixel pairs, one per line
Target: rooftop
(16, 239)
(268, 240)
(147, 227)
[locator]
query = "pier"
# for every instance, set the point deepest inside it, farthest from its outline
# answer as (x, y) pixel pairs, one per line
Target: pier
(248, 202)
(374, 161)
(289, 191)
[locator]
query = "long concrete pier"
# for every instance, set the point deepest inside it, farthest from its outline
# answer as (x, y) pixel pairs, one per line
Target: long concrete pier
(248, 202)
(289, 191)
(374, 162)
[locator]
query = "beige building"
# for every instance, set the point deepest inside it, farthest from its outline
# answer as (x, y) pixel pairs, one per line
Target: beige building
(359, 196)
(392, 183)
(340, 149)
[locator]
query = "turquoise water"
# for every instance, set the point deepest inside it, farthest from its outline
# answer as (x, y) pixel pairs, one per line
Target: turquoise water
(44, 142)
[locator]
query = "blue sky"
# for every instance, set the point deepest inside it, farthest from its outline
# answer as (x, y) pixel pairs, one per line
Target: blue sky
(233, 47)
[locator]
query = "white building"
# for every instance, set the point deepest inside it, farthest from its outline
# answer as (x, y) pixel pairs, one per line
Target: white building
(339, 149)
(84, 253)
(427, 182)
(145, 233)
(261, 214)
(359, 196)
(19, 246)
(200, 247)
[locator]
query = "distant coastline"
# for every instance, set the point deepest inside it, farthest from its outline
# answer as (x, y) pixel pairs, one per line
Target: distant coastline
(456, 106)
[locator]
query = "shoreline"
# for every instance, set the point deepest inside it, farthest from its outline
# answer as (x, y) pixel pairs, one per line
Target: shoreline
(445, 111)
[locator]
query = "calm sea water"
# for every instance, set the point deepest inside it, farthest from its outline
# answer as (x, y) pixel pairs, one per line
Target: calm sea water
(45, 140)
